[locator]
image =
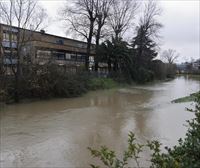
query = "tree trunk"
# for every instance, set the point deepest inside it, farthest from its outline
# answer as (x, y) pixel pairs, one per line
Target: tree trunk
(16, 92)
(97, 46)
(18, 69)
(87, 56)
(89, 41)
(115, 68)
(109, 65)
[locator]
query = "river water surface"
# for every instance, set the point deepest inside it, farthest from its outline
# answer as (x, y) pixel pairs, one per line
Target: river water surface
(56, 133)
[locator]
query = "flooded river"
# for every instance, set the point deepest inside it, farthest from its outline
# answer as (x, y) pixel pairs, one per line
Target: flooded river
(56, 133)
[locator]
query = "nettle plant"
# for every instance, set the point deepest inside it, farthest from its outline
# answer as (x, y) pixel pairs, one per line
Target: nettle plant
(184, 155)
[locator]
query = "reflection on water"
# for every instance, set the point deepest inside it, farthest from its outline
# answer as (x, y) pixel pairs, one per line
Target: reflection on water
(56, 133)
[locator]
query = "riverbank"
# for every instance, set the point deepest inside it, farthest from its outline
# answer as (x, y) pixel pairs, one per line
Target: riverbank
(56, 84)
(76, 87)
(73, 86)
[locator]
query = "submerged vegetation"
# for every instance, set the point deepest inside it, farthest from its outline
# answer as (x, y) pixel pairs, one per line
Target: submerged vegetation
(189, 98)
(185, 154)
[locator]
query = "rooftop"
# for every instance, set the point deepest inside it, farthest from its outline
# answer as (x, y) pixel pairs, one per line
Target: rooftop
(43, 32)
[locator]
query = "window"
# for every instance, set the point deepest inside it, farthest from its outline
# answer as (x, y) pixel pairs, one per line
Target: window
(81, 45)
(7, 44)
(14, 37)
(59, 55)
(44, 54)
(6, 36)
(68, 56)
(10, 29)
(81, 58)
(73, 57)
(8, 54)
(91, 59)
(60, 41)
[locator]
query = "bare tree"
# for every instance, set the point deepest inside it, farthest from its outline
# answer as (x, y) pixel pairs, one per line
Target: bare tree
(88, 17)
(103, 10)
(149, 22)
(23, 14)
(122, 14)
(81, 16)
(170, 56)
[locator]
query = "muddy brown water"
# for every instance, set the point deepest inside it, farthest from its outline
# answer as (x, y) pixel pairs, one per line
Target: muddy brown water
(56, 133)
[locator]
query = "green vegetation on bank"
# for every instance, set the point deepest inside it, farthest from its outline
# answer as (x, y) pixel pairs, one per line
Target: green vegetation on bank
(189, 98)
(184, 155)
(102, 83)
(49, 81)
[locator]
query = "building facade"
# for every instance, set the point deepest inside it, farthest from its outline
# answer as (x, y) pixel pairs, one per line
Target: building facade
(41, 48)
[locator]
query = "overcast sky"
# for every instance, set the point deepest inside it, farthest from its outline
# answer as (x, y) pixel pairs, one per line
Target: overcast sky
(179, 17)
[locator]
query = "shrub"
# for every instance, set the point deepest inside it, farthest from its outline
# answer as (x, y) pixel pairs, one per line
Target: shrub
(143, 75)
(50, 80)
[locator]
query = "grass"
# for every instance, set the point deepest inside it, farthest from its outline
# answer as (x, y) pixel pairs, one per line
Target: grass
(189, 98)
(102, 83)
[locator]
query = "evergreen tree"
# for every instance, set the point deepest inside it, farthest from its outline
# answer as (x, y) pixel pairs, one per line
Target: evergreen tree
(143, 48)
(144, 44)
(116, 54)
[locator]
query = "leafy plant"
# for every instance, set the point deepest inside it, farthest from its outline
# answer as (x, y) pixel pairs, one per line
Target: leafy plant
(109, 158)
